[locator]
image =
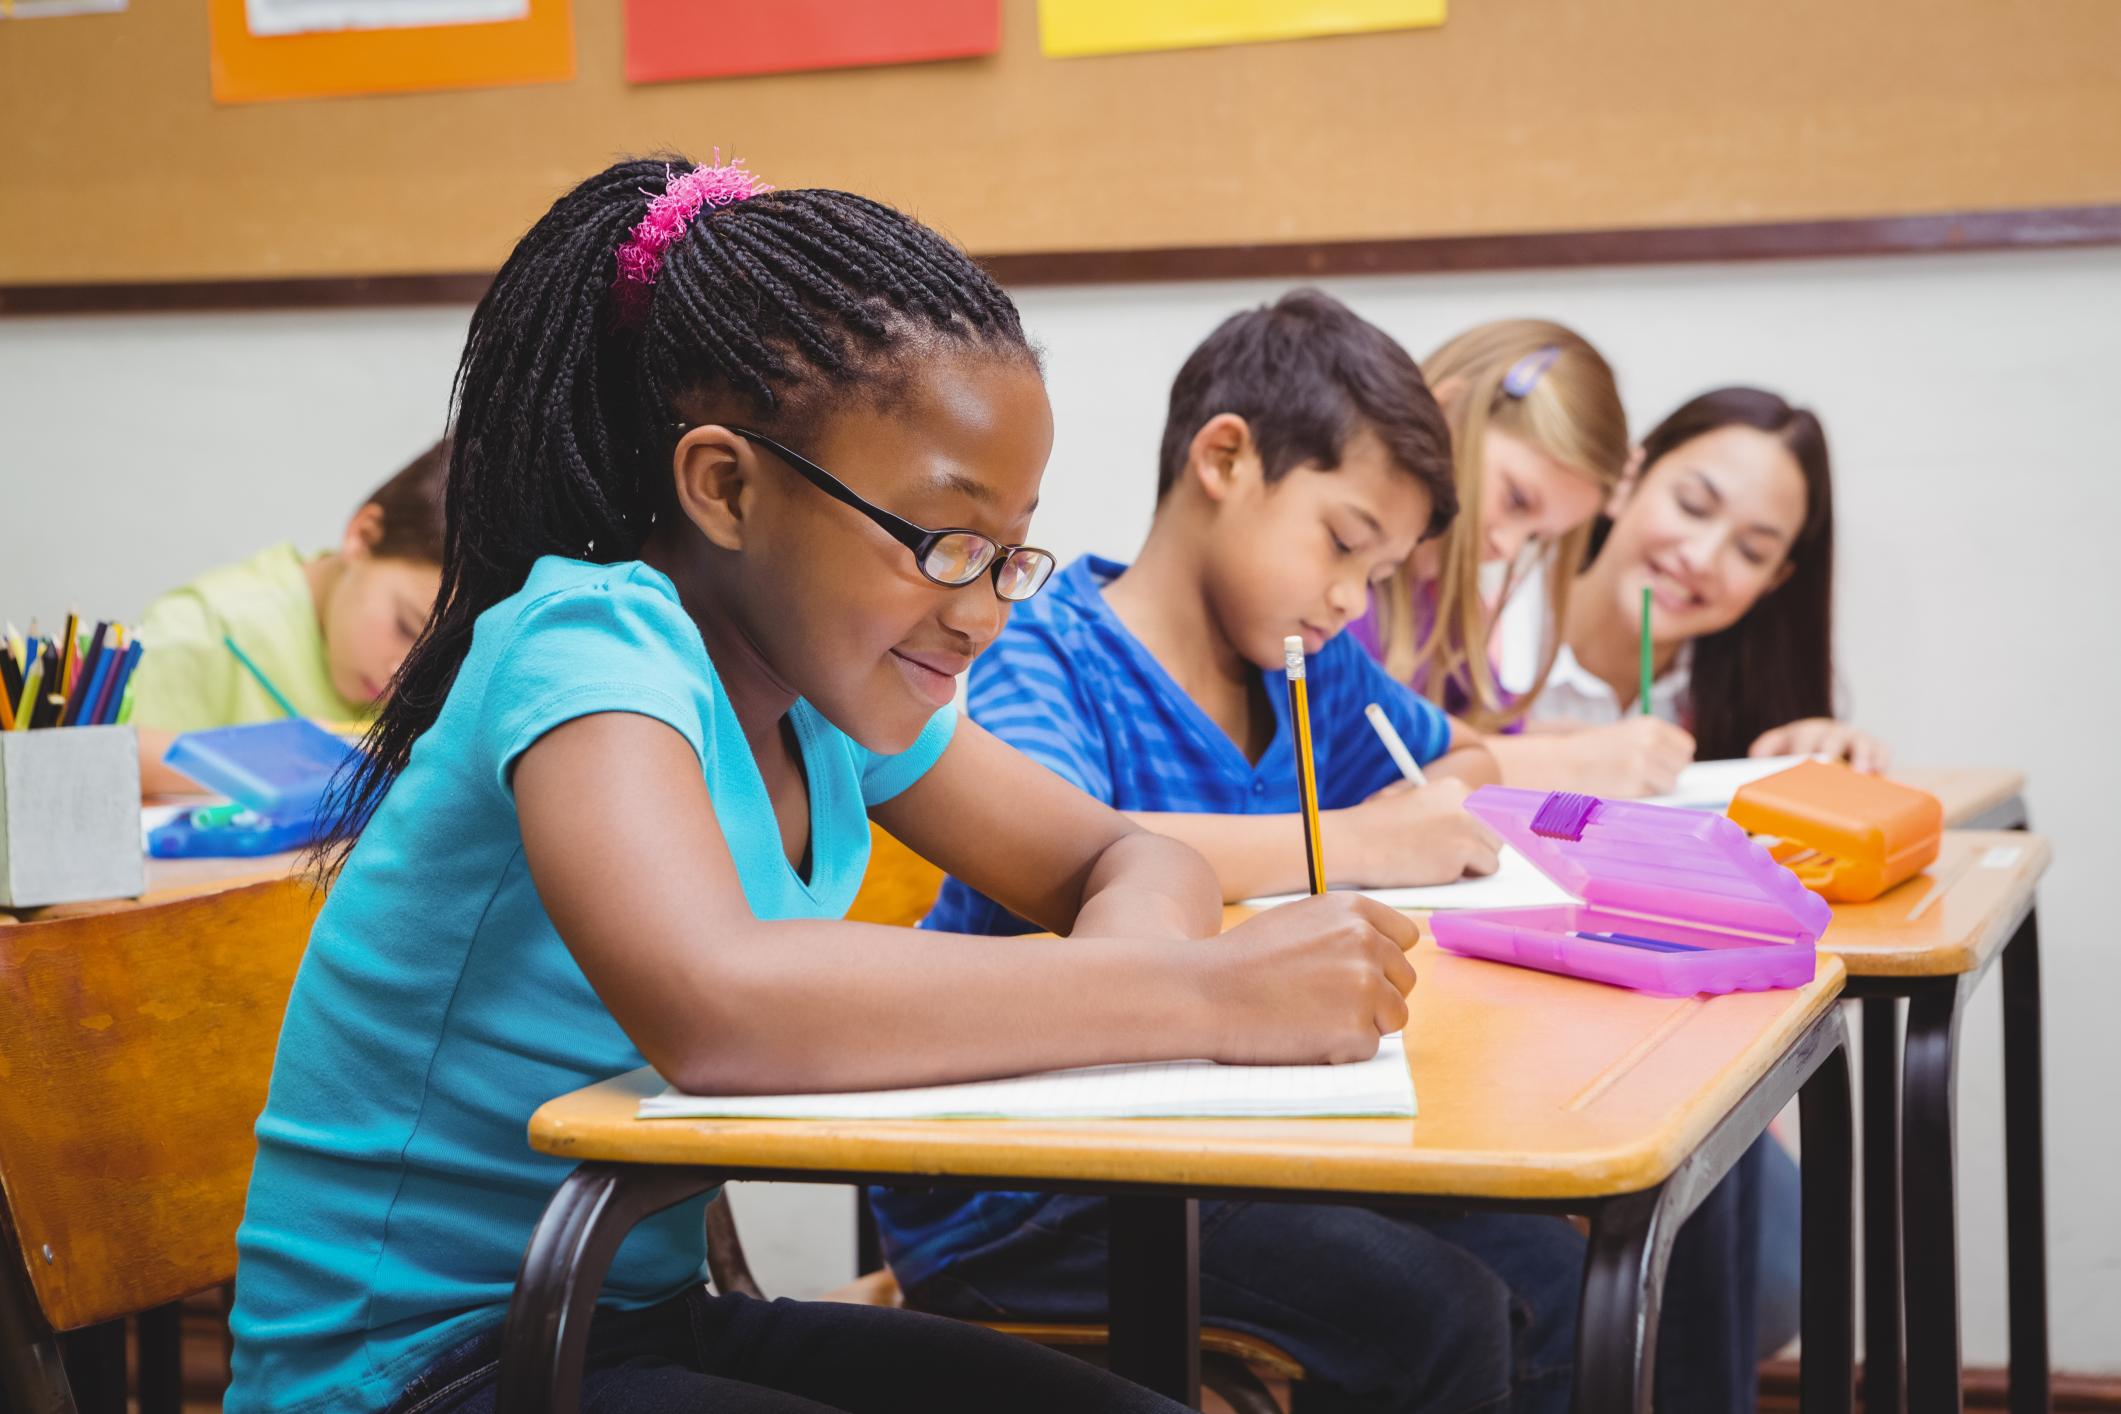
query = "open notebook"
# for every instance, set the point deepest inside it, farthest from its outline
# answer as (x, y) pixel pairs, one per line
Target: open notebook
(1514, 884)
(1379, 1086)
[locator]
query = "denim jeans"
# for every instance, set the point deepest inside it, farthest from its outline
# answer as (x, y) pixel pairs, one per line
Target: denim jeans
(702, 1354)
(1395, 1312)
(1708, 1341)
(1781, 1248)
(1387, 1311)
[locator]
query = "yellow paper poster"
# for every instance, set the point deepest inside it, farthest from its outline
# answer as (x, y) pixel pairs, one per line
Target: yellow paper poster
(1072, 28)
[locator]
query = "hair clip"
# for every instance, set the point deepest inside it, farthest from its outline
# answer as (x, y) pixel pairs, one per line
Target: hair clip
(684, 194)
(1524, 375)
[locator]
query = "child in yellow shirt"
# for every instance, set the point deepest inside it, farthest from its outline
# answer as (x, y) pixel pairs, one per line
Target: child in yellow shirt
(329, 630)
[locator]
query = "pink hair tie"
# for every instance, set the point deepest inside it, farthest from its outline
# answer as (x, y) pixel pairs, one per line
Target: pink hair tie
(641, 257)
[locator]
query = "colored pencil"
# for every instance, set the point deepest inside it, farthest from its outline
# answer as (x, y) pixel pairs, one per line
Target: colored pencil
(106, 709)
(263, 681)
(25, 705)
(1306, 771)
(84, 677)
(1646, 671)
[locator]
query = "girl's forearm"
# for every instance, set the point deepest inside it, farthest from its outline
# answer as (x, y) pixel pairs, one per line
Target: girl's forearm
(1145, 885)
(884, 1007)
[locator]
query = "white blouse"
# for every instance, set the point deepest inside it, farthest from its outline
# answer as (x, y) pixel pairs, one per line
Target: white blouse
(1573, 693)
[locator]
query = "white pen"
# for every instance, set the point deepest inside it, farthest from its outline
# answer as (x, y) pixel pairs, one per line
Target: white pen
(1408, 766)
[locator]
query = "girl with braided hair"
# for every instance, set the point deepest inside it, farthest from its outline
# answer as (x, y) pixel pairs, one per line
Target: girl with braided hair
(613, 813)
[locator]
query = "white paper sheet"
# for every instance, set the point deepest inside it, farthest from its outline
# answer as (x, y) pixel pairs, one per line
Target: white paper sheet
(1516, 883)
(1711, 785)
(277, 17)
(51, 9)
(1163, 1090)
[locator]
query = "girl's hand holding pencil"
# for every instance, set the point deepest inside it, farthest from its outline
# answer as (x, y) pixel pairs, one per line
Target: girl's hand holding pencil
(1318, 980)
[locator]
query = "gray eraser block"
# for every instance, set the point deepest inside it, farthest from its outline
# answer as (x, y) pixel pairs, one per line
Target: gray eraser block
(70, 816)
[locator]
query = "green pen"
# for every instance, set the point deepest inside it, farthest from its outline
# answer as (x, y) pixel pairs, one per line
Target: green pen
(280, 697)
(1644, 649)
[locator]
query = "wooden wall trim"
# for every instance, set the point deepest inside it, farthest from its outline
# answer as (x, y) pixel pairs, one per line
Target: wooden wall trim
(1787, 240)
(2022, 229)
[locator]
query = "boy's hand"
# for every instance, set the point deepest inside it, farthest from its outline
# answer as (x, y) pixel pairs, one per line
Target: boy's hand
(1314, 981)
(1409, 834)
(1636, 757)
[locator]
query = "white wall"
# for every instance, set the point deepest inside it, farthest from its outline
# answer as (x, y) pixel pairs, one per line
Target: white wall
(1971, 405)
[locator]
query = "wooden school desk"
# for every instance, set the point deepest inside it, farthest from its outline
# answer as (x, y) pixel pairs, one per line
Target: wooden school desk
(203, 1250)
(1628, 1113)
(1974, 797)
(1932, 949)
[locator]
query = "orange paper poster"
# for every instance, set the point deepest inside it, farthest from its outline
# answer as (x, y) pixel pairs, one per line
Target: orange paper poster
(1072, 28)
(698, 39)
(379, 56)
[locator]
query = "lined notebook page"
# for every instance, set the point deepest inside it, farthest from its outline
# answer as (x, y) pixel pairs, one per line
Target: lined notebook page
(1516, 883)
(1162, 1090)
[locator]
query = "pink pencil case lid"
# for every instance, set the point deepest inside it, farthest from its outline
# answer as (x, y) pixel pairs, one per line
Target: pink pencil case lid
(1676, 902)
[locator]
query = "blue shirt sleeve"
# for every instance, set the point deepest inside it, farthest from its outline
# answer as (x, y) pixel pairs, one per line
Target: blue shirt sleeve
(619, 646)
(1026, 691)
(885, 776)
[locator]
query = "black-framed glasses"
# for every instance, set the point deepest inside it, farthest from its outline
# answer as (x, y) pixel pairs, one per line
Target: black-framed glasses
(953, 557)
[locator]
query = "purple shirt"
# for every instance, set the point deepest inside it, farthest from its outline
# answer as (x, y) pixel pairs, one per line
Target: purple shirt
(1457, 694)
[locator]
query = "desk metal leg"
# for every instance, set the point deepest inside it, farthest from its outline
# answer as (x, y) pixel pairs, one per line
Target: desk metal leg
(1883, 1392)
(1632, 1236)
(868, 1239)
(1623, 1288)
(2025, 1170)
(1928, 1159)
(160, 1362)
(547, 1334)
(95, 1362)
(1829, 1313)
(1154, 1290)
(32, 1372)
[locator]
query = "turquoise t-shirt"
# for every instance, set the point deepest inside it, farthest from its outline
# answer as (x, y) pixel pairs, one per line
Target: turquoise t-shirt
(436, 1008)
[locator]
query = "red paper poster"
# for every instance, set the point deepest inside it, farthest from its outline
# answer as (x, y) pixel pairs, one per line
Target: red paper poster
(699, 39)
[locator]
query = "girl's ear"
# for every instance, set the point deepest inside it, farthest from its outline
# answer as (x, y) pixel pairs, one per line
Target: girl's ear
(1782, 576)
(1624, 490)
(711, 473)
(1448, 392)
(1221, 456)
(363, 533)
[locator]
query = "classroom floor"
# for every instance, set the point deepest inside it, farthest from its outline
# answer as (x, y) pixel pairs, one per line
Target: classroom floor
(206, 1374)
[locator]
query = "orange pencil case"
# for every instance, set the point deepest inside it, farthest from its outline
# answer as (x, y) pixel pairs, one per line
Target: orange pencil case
(1847, 836)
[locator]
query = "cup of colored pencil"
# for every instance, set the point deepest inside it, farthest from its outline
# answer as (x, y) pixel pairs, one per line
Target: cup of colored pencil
(78, 679)
(69, 768)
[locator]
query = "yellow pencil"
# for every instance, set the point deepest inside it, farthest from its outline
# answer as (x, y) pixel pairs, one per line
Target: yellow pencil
(1306, 775)
(26, 707)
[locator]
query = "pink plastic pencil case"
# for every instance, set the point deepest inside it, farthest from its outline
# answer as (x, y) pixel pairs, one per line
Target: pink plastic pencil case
(1672, 901)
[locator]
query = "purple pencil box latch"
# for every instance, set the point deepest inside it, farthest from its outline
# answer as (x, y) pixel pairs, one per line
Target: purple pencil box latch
(1674, 902)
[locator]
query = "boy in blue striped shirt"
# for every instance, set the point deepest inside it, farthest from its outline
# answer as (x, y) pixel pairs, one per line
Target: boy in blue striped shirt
(1303, 459)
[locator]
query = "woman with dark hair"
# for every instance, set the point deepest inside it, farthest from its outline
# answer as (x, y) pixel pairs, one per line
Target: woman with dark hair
(1726, 516)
